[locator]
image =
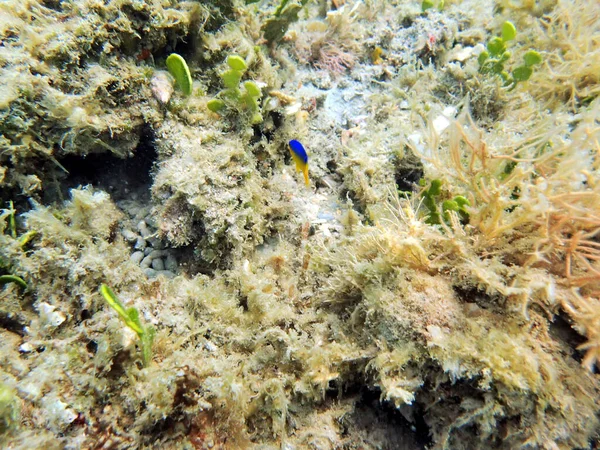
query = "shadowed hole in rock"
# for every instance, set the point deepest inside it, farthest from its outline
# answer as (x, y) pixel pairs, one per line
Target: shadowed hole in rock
(119, 177)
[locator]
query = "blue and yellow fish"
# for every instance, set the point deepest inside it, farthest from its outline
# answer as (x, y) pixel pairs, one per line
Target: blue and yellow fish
(300, 158)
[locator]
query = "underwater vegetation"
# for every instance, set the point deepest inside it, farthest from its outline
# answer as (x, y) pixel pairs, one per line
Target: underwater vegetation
(168, 279)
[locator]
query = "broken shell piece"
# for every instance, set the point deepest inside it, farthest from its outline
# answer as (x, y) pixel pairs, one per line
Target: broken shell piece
(441, 122)
(49, 316)
(162, 87)
(460, 54)
(284, 99)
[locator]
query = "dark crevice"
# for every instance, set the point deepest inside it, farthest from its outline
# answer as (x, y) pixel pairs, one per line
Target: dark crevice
(561, 329)
(379, 424)
(373, 422)
(472, 295)
(13, 323)
(92, 347)
(409, 170)
(357, 205)
(117, 176)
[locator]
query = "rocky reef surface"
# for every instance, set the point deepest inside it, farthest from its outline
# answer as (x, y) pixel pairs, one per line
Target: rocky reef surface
(435, 285)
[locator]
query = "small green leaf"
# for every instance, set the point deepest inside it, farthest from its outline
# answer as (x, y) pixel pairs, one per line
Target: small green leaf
(449, 205)
(427, 4)
(215, 105)
(132, 319)
(275, 28)
(115, 304)
(433, 218)
(498, 68)
(532, 58)
(147, 339)
(12, 224)
(429, 202)
(4, 279)
(522, 73)
(181, 72)
(509, 32)
(505, 57)
(133, 314)
(236, 62)
(436, 187)
(231, 78)
(461, 201)
(256, 118)
(496, 46)
(483, 56)
(252, 89)
(250, 102)
(26, 237)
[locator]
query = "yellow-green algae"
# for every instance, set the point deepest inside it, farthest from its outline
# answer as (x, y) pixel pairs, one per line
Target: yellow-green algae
(181, 72)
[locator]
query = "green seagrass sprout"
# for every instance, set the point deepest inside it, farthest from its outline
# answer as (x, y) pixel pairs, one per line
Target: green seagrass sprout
(131, 317)
(435, 216)
(242, 97)
(493, 59)
(4, 279)
(428, 4)
(181, 72)
(8, 216)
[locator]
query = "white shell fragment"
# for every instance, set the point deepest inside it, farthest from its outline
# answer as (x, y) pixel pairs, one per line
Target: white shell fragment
(49, 316)
(441, 122)
(162, 87)
(58, 413)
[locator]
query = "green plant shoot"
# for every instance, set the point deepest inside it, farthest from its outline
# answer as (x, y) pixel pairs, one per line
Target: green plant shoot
(457, 204)
(496, 55)
(181, 72)
(428, 4)
(131, 318)
(236, 95)
(12, 223)
(13, 279)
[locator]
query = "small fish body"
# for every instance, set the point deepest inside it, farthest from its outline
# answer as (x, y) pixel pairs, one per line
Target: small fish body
(300, 157)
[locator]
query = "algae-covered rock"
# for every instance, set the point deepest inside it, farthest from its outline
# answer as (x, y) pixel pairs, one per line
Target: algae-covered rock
(435, 286)
(74, 82)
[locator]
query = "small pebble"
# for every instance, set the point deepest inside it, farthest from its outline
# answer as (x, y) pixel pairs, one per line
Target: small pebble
(150, 221)
(156, 243)
(136, 257)
(140, 243)
(26, 348)
(144, 230)
(129, 235)
(150, 273)
(146, 262)
(171, 263)
(148, 250)
(158, 254)
(158, 264)
(143, 212)
(167, 273)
